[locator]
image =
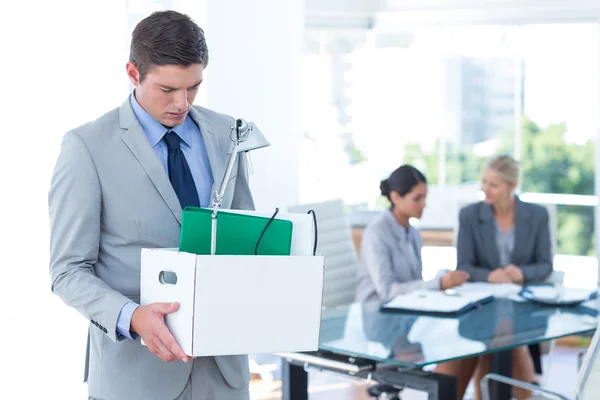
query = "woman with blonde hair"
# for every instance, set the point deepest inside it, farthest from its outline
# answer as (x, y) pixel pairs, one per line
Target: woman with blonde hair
(501, 240)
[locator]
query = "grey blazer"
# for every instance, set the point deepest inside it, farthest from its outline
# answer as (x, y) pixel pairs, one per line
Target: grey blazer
(109, 198)
(385, 270)
(477, 252)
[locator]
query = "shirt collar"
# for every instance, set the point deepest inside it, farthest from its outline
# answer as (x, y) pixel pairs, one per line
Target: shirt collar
(154, 130)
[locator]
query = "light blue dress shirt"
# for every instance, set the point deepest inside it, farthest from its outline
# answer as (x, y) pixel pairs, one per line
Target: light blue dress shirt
(194, 150)
(505, 241)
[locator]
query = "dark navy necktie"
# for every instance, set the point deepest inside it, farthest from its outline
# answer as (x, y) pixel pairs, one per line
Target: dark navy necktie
(179, 172)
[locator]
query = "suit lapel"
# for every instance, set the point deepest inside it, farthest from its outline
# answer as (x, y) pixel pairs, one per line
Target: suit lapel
(522, 231)
(213, 149)
(488, 234)
(405, 244)
(135, 139)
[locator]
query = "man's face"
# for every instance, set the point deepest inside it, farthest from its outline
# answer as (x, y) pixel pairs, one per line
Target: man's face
(167, 91)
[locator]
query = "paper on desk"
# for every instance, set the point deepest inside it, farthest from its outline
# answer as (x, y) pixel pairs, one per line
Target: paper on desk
(498, 290)
(435, 301)
(561, 294)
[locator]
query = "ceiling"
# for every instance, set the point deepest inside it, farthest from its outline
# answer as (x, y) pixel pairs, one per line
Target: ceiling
(389, 14)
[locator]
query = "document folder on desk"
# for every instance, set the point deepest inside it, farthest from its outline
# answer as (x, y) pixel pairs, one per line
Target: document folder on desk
(436, 302)
(237, 234)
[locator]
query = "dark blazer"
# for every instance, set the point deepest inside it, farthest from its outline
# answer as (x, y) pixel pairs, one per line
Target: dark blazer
(476, 248)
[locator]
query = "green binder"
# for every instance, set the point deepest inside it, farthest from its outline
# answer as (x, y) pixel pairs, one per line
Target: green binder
(237, 234)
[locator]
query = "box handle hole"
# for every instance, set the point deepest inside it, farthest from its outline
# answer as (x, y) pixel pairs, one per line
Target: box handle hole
(167, 278)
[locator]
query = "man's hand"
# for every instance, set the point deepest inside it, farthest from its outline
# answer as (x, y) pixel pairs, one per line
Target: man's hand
(514, 273)
(499, 275)
(454, 278)
(149, 322)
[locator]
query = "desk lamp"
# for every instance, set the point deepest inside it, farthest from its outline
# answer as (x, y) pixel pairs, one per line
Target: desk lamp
(245, 137)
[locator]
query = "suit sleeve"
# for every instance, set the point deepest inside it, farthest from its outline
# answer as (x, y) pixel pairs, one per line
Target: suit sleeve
(465, 251)
(542, 267)
(74, 203)
(376, 258)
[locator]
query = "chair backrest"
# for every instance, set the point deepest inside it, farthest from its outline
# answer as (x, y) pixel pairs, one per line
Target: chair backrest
(460, 205)
(336, 245)
(552, 223)
(588, 379)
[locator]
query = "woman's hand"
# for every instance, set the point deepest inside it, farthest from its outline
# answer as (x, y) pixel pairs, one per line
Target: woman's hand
(453, 278)
(499, 275)
(514, 273)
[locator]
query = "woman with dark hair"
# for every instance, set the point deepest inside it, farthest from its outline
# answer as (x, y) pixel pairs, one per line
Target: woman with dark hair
(390, 251)
(390, 256)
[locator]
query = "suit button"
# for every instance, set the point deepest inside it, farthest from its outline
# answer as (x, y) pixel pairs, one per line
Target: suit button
(104, 330)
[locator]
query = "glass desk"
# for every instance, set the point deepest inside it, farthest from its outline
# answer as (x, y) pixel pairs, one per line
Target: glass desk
(412, 341)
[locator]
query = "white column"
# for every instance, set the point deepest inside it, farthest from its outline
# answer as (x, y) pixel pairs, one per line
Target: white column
(597, 190)
(255, 49)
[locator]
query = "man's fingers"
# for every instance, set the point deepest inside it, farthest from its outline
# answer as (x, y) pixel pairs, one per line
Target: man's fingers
(161, 342)
(161, 351)
(171, 344)
(167, 308)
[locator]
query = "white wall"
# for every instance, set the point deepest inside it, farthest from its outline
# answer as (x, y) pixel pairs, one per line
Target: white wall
(253, 73)
(65, 66)
(63, 63)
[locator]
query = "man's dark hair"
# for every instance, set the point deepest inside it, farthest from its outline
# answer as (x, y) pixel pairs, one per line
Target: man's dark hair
(167, 38)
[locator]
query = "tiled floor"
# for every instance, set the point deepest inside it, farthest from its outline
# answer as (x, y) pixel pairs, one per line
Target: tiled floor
(560, 375)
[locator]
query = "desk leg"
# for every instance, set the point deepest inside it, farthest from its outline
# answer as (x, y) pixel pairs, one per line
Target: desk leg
(501, 364)
(437, 386)
(294, 380)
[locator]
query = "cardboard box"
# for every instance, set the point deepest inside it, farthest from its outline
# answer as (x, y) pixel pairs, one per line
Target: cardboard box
(237, 304)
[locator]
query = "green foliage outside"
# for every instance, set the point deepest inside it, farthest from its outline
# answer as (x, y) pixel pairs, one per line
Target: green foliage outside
(549, 165)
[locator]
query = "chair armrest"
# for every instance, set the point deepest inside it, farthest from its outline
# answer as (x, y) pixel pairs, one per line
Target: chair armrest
(485, 392)
(556, 277)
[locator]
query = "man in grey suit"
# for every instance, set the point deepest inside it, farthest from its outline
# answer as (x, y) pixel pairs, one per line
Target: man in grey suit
(119, 185)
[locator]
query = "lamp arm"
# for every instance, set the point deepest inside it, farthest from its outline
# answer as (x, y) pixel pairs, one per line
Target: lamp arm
(218, 196)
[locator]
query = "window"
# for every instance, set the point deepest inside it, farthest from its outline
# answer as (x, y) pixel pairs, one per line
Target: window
(445, 99)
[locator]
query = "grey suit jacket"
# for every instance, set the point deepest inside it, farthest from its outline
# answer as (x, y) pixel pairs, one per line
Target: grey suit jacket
(109, 198)
(385, 270)
(476, 248)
